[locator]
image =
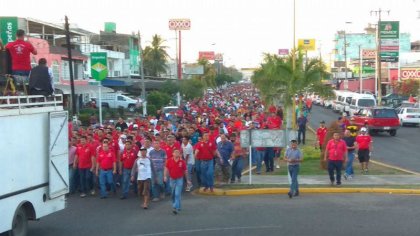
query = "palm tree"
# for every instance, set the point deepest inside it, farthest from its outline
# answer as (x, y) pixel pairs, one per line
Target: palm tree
(155, 57)
(277, 80)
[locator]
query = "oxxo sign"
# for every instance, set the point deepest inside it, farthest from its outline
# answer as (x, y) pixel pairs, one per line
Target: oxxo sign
(410, 73)
(8, 28)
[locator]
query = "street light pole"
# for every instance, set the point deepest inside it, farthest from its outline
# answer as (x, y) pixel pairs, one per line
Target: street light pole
(143, 86)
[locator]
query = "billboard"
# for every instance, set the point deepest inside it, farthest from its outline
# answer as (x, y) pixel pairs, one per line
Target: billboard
(99, 68)
(368, 54)
(283, 52)
(306, 44)
(179, 24)
(389, 32)
(410, 73)
(193, 69)
(208, 55)
(8, 28)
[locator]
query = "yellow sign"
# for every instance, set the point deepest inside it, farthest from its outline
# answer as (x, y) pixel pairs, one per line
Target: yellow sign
(306, 44)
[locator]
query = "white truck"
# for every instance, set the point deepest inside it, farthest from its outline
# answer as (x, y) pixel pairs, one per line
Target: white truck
(34, 143)
(116, 100)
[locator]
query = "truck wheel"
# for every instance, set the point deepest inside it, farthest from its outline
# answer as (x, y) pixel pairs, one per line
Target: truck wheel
(20, 223)
(131, 108)
(393, 132)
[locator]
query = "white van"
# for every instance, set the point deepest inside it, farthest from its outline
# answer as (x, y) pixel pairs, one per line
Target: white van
(336, 100)
(343, 105)
(359, 101)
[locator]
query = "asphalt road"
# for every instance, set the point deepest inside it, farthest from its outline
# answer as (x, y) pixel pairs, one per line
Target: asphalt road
(339, 214)
(403, 150)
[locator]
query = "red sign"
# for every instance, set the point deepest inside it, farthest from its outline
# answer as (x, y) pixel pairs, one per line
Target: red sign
(209, 55)
(368, 54)
(283, 51)
(410, 73)
(390, 48)
(393, 75)
(179, 24)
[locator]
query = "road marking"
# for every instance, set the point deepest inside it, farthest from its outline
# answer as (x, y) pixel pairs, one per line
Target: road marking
(211, 229)
(381, 163)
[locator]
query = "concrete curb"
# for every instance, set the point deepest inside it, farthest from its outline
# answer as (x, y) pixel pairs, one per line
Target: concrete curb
(259, 191)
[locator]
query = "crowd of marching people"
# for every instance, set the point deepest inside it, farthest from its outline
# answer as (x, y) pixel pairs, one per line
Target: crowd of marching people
(156, 156)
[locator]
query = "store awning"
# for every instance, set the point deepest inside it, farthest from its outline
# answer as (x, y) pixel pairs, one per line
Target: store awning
(117, 82)
(81, 89)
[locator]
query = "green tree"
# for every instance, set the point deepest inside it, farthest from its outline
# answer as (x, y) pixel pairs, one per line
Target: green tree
(192, 88)
(170, 87)
(223, 79)
(282, 78)
(209, 76)
(158, 99)
(155, 57)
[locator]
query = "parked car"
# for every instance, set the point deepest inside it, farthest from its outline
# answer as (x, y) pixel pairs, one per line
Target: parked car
(344, 102)
(167, 110)
(116, 100)
(409, 115)
(378, 119)
(359, 101)
(393, 100)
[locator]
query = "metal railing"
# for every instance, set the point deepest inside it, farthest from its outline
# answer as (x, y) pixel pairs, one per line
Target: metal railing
(30, 101)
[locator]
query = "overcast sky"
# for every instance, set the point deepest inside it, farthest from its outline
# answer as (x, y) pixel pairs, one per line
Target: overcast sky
(240, 29)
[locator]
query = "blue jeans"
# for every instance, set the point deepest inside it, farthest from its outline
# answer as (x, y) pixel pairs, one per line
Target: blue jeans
(269, 159)
(335, 166)
(176, 186)
(254, 156)
(237, 167)
(207, 173)
(349, 166)
(126, 176)
(301, 136)
(85, 177)
(190, 168)
(294, 171)
(73, 178)
(159, 187)
(106, 177)
(198, 171)
(259, 158)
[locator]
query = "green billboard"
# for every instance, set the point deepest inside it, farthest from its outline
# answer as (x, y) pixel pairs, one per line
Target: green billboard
(98, 65)
(8, 28)
(389, 32)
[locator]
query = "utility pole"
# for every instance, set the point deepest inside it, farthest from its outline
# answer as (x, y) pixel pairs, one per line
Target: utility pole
(345, 55)
(360, 69)
(141, 71)
(378, 53)
(73, 95)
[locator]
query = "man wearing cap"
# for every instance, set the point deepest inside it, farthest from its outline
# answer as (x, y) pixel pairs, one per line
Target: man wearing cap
(293, 157)
(143, 171)
(105, 168)
(128, 157)
(336, 154)
(364, 149)
(320, 134)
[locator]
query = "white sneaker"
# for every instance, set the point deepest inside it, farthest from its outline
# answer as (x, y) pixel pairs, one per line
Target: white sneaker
(277, 167)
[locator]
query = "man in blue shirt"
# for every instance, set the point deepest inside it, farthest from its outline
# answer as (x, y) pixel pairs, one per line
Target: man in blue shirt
(301, 122)
(225, 149)
(293, 157)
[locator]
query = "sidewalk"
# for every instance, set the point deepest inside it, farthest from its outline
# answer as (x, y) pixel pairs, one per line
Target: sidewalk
(320, 184)
(359, 180)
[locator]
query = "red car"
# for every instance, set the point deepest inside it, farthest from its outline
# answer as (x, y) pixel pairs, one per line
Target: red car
(378, 119)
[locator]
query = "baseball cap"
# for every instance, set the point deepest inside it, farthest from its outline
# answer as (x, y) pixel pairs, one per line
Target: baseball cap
(135, 126)
(322, 122)
(363, 129)
(123, 136)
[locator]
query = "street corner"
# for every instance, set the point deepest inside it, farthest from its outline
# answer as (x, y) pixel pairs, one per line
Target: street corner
(322, 190)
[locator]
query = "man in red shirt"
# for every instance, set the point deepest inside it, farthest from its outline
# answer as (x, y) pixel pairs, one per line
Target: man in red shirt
(20, 52)
(171, 146)
(320, 135)
(85, 161)
(205, 152)
(176, 169)
(106, 167)
(128, 156)
(336, 153)
(364, 148)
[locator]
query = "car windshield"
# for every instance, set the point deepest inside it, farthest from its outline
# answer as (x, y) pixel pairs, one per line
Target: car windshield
(414, 110)
(366, 103)
(170, 109)
(384, 113)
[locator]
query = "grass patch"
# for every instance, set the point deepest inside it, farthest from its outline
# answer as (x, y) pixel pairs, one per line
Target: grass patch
(311, 162)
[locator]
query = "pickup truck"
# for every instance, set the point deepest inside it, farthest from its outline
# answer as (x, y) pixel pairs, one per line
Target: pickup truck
(116, 100)
(378, 119)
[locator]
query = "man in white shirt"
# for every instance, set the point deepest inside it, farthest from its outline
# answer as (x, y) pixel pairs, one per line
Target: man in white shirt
(188, 154)
(143, 168)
